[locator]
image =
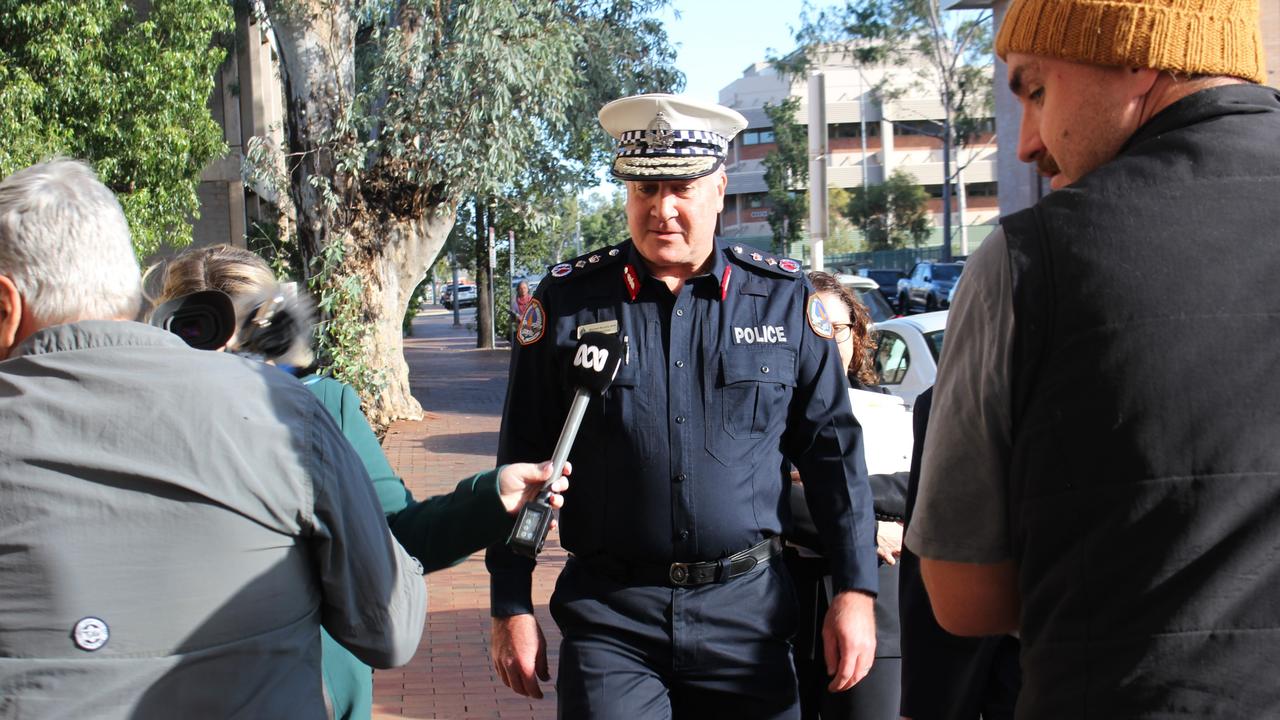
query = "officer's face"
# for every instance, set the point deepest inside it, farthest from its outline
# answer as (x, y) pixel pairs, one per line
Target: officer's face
(673, 222)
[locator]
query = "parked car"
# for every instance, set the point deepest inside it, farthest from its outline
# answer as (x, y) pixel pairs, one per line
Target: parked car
(928, 287)
(466, 296)
(907, 351)
(886, 280)
(866, 290)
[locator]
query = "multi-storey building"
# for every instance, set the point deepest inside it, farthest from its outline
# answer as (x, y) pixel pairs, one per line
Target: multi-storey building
(1019, 186)
(899, 134)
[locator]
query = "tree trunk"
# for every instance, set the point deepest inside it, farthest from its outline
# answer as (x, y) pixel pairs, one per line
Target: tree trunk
(317, 48)
(484, 279)
(388, 250)
(389, 277)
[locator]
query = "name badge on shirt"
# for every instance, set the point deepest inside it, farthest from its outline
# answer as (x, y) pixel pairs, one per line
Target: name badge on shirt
(608, 327)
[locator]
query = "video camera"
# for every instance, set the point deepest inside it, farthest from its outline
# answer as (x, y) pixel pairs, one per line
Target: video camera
(276, 325)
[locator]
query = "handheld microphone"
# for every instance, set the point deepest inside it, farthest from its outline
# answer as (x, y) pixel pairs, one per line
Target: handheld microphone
(595, 363)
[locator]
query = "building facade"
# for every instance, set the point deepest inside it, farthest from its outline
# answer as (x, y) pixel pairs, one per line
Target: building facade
(1019, 185)
(246, 102)
(899, 134)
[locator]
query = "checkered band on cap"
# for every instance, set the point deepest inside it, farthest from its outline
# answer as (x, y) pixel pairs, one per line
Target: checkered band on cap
(681, 142)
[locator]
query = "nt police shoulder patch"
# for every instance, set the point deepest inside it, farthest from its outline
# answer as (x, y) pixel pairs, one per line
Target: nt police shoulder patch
(819, 321)
(532, 325)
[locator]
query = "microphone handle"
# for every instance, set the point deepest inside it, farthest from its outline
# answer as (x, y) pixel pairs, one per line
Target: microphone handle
(581, 398)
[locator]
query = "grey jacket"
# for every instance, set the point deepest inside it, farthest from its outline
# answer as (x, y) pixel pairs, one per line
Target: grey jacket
(175, 527)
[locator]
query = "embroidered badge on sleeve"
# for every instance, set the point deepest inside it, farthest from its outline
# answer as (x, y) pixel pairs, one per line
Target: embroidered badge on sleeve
(532, 325)
(819, 321)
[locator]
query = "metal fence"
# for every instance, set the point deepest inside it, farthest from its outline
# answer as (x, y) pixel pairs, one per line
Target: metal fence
(901, 259)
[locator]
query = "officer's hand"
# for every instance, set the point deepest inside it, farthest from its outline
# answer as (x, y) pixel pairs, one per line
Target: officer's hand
(518, 483)
(889, 541)
(519, 652)
(849, 639)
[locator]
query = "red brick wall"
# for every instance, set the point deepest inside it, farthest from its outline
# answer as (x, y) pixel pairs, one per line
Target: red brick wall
(852, 144)
(754, 152)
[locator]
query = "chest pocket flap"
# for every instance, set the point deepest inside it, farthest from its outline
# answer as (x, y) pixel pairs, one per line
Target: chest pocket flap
(755, 390)
(758, 364)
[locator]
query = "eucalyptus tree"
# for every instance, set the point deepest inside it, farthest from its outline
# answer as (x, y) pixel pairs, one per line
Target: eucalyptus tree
(891, 214)
(126, 89)
(947, 53)
(786, 168)
(398, 111)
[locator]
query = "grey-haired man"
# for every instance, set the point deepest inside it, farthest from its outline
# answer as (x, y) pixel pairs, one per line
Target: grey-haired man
(177, 524)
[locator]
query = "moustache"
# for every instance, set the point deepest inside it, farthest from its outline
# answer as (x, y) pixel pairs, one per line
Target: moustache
(1047, 166)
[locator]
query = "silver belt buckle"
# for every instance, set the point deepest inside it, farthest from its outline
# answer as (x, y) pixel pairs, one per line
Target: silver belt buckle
(679, 573)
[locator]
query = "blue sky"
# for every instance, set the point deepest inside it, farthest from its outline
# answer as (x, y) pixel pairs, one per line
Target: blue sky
(717, 39)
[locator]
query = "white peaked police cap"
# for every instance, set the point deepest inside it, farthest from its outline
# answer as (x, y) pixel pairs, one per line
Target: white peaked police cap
(668, 137)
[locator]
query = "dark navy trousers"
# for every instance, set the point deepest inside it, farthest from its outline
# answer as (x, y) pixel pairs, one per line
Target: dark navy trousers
(640, 652)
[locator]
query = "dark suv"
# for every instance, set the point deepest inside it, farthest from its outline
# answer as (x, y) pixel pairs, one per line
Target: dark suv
(887, 280)
(928, 287)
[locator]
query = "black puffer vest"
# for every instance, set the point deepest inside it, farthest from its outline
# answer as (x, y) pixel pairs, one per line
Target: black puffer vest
(1145, 477)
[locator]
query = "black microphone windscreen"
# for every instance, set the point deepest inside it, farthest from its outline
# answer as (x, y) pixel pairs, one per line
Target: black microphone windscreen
(596, 361)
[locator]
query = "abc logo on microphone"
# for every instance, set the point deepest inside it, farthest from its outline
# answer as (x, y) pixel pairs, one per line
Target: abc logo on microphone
(596, 361)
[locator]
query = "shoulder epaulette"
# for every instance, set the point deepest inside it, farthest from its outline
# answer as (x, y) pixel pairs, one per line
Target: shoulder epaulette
(585, 263)
(754, 259)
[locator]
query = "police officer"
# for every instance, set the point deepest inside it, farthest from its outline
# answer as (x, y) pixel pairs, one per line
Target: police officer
(675, 602)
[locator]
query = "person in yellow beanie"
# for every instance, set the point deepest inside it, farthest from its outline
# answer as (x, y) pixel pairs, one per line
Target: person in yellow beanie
(1102, 475)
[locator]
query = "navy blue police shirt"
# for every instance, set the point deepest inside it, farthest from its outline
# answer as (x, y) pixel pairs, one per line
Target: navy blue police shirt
(681, 459)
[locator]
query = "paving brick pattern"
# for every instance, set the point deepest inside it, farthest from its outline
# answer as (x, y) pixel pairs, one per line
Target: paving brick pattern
(461, 390)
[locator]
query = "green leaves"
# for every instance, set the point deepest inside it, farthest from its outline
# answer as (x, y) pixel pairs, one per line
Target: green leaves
(891, 214)
(786, 168)
(127, 92)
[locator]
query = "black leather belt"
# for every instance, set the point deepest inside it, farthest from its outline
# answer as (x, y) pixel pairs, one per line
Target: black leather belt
(685, 574)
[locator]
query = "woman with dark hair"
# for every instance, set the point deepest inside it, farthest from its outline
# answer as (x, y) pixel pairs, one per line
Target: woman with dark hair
(852, 325)
(878, 695)
(440, 531)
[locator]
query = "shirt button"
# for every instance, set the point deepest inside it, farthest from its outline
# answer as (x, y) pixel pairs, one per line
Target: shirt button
(681, 478)
(679, 363)
(679, 419)
(683, 535)
(680, 312)
(764, 369)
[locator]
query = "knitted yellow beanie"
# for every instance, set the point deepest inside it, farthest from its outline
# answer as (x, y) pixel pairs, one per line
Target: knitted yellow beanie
(1193, 37)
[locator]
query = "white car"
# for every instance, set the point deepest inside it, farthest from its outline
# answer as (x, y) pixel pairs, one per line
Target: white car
(466, 296)
(907, 351)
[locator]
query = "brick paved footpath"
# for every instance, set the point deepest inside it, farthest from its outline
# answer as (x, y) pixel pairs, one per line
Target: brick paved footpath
(461, 390)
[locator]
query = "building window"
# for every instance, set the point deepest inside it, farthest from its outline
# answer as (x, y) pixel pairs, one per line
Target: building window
(985, 126)
(757, 136)
(982, 189)
(931, 128)
(755, 200)
(851, 130)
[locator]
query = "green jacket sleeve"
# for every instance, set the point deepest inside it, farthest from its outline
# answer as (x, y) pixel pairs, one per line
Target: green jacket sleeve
(443, 530)
(440, 531)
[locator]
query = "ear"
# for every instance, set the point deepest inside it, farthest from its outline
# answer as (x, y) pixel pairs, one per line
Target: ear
(12, 310)
(722, 184)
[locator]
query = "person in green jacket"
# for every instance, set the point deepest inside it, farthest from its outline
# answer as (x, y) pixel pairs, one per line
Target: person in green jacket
(440, 531)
